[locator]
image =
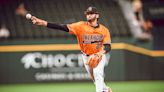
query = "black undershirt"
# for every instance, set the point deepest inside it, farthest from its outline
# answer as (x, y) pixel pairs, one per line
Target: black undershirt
(61, 27)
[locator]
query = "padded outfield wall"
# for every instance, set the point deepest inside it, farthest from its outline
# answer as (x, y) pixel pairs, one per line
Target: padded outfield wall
(63, 62)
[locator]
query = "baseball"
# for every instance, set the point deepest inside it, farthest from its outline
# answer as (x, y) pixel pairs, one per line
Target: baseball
(28, 16)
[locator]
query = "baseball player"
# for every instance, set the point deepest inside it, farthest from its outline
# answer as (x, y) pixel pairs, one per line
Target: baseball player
(94, 40)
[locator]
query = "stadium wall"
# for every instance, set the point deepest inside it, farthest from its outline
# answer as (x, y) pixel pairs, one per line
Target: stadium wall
(62, 62)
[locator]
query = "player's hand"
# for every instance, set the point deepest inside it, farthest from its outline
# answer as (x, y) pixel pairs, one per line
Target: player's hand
(38, 21)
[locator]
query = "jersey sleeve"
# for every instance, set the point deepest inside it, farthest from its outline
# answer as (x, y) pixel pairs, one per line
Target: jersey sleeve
(107, 37)
(73, 28)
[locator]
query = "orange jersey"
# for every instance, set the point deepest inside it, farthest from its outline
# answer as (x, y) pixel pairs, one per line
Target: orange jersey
(90, 39)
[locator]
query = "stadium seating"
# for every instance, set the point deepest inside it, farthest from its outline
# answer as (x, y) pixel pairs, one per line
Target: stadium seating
(61, 11)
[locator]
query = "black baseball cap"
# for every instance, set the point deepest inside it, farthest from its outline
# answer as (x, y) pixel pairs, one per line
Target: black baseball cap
(91, 10)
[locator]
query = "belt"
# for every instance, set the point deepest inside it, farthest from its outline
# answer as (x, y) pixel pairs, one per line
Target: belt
(85, 54)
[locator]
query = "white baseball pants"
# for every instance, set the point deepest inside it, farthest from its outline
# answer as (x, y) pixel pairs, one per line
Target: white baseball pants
(98, 73)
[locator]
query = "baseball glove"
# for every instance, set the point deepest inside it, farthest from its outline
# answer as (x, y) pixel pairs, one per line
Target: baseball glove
(94, 60)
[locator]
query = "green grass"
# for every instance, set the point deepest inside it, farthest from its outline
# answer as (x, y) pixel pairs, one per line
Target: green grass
(132, 86)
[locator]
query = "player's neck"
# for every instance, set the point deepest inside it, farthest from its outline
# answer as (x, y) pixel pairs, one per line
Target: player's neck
(93, 23)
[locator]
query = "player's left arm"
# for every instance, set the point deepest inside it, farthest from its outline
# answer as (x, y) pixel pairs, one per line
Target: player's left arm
(106, 42)
(94, 59)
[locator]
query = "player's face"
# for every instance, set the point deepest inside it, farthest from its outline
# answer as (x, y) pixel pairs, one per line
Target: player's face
(91, 16)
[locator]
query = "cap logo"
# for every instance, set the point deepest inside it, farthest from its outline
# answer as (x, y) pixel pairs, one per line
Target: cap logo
(90, 8)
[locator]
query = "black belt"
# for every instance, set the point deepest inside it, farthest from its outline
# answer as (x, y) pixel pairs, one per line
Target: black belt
(86, 54)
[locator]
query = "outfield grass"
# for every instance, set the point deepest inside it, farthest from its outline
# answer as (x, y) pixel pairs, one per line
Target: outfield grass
(132, 86)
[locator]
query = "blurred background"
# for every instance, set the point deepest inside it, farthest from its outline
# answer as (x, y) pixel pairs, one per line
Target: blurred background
(38, 59)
